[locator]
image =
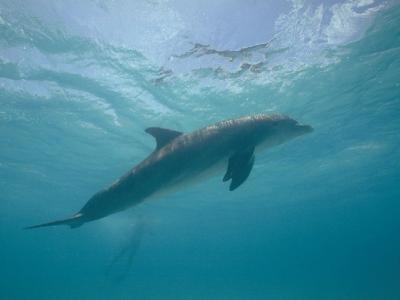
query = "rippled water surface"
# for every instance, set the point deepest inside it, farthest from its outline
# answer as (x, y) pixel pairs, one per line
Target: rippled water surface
(318, 217)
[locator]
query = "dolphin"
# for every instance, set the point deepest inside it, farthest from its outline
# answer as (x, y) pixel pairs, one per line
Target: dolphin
(181, 158)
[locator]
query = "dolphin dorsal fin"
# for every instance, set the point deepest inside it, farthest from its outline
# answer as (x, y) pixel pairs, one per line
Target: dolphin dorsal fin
(163, 136)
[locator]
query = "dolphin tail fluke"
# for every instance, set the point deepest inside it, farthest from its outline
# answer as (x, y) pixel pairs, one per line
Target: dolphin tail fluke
(73, 222)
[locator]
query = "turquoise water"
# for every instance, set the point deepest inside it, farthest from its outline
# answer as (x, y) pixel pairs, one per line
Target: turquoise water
(318, 216)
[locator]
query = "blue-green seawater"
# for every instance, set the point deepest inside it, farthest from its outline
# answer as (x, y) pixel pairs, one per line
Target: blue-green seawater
(318, 218)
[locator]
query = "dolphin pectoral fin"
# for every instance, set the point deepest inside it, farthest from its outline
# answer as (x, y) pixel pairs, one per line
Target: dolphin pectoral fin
(228, 174)
(240, 176)
(163, 136)
(239, 167)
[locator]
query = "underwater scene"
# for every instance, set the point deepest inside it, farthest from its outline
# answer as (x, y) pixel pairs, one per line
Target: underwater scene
(120, 179)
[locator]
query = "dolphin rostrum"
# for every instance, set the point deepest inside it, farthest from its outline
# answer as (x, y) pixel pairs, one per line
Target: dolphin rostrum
(181, 158)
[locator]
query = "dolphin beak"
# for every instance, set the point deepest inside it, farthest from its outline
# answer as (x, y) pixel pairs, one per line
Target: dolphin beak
(305, 128)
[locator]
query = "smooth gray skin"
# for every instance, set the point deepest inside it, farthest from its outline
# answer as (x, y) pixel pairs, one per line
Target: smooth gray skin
(183, 158)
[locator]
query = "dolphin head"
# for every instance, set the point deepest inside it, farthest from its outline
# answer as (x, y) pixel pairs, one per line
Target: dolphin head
(274, 129)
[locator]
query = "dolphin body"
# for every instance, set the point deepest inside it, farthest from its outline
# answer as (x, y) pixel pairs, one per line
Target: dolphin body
(181, 158)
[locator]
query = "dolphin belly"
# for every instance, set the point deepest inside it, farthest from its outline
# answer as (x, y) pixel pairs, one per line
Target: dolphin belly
(189, 179)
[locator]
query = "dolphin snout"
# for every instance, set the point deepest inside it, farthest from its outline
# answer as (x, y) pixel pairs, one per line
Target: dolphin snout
(305, 128)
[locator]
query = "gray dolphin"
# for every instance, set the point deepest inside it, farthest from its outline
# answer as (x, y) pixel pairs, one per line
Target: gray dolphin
(181, 158)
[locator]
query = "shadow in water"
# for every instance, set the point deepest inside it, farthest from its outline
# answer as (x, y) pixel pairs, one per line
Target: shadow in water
(121, 264)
